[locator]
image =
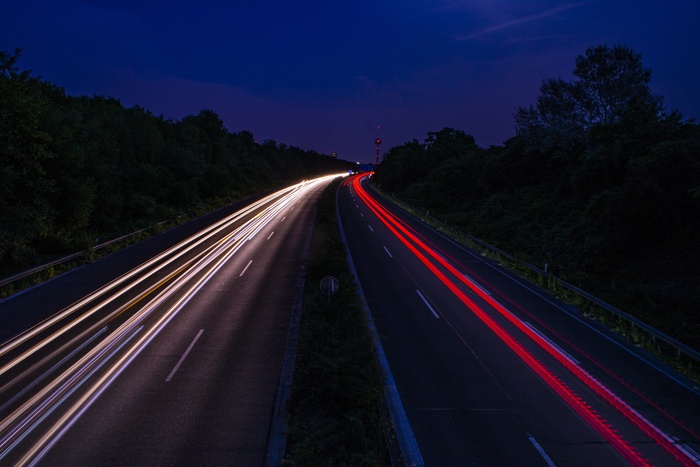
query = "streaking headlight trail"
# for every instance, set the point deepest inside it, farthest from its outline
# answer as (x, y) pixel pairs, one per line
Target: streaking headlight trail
(101, 334)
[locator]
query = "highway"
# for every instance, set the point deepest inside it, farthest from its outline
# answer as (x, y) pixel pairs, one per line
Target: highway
(492, 370)
(167, 353)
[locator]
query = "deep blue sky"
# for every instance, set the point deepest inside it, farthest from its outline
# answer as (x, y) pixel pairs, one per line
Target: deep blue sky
(322, 75)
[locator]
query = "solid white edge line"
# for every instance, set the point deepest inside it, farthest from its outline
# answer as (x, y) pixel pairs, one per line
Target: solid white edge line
(245, 268)
(184, 356)
(466, 276)
(277, 435)
(690, 451)
(402, 426)
(672, 375)
(106, 380)
(551, 342)
(522, 283)
(427, 304)
(544, 455)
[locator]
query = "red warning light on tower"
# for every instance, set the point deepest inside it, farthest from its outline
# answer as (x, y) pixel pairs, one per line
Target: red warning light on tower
(377, 142)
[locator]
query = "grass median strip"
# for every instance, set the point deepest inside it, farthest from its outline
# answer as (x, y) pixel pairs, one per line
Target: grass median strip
(334, 409)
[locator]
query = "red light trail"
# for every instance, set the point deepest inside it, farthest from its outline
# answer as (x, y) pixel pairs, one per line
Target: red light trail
(409, 238)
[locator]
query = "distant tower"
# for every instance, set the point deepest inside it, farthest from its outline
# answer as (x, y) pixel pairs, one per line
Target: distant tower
(377, 142)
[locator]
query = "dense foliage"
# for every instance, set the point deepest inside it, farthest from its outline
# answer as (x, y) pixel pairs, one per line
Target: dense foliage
(73, 169)
(599, 183)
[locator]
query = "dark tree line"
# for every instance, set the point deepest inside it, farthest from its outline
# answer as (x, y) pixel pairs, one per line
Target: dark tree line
(600, 183)
(76, 168)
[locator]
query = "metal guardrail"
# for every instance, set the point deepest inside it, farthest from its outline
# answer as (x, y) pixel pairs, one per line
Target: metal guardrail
(680, 347)
(65, 259)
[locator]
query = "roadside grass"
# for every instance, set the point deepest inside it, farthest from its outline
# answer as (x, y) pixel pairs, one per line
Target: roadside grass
(337, 407)
(337, 393)
(89, 255)
(627, 330)
(92, 252)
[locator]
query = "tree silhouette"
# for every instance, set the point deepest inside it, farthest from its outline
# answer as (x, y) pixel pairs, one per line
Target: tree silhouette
(612, 84)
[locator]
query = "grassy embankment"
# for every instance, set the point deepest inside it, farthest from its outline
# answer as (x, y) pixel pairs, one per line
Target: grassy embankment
(622, 327)
(334, 409)
(93, 252)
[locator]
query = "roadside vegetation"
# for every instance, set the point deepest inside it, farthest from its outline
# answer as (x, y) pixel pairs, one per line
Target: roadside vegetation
(337, 394)
(75, 171)
(628, 330)
(600, 186)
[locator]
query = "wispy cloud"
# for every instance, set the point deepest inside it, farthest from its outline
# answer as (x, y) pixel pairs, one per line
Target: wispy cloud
(524, 20)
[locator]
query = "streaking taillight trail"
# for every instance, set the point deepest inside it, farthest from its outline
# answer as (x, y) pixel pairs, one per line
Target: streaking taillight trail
(422, 251)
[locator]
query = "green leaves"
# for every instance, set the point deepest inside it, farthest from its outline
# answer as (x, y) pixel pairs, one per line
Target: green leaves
(610, 79)
(338, 384)
(599, 183)
(70, 165)
(612, 86)
(24, 184)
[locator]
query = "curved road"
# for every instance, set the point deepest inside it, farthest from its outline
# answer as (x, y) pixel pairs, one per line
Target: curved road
(493, 371)
(169, 359)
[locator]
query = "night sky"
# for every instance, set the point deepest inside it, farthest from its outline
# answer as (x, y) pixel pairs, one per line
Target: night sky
(323, 75)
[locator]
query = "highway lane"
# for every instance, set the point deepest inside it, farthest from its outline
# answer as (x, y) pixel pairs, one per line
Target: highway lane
(492, 371)
(176, 361)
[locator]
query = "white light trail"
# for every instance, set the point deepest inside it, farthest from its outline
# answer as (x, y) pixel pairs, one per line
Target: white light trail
(194, 272)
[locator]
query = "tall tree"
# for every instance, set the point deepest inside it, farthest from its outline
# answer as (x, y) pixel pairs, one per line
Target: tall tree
(612, 82)
(612, 85)
(24, 186)
(446, 144)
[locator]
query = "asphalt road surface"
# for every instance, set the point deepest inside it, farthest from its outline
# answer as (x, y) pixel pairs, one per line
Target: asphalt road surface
(492, 370)
(168, 353)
